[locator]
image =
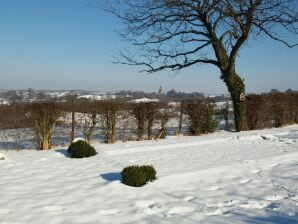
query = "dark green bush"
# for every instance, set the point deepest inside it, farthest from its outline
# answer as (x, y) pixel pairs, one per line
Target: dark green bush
(81, 149)
(138, 176)
(200, 115)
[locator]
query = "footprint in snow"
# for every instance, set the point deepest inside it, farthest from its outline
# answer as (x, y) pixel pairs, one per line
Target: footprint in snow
(180, 210)
(295, 198)
(54, 209)
(149, 207)
(214, 188)
(108, 212)
(256, 171)
(256, 204)
(244, 181)
(188, 198)
(144, 204)
(10, 165)
(229, 203)
(219, 211)
(275, 197)
(4, 211)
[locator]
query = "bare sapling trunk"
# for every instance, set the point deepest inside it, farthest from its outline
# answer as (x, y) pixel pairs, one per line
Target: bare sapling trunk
(91, 129)
(164, 117)
(139, 113)
(110, 111)
(181, 114)
(150, 121)
(110, 126)
(126, 122)
(73, 114)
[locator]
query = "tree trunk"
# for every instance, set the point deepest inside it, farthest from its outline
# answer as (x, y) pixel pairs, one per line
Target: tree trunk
(113, 140)
(72, 125)
(181, 112)
(141, 130)
(91, 129)
(236, 87)
(46, 143)
(149, 128)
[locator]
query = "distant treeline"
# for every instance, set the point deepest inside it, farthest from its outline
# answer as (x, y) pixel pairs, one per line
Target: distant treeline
(31, 94)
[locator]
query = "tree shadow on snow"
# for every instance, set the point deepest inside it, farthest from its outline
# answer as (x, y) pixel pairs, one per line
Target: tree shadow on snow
(63, 152)
(111, 176)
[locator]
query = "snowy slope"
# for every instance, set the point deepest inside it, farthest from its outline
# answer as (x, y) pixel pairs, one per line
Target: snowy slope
(225, 177)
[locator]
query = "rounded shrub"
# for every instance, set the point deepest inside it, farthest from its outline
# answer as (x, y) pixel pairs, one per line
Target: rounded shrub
(137, 176)
(81, 149)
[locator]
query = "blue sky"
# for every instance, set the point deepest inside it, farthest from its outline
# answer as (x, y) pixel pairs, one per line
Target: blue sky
(63, 44)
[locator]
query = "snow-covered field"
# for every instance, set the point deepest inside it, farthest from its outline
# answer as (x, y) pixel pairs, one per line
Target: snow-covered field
(225, 177)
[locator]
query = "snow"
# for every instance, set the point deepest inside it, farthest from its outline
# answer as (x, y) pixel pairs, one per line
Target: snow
(78, 139)
(144, 100)
(57, 94)
(98, 97)
(225, 177)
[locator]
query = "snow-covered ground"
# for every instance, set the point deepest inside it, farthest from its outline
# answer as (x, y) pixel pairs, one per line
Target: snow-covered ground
(144, 100)
(225, 177)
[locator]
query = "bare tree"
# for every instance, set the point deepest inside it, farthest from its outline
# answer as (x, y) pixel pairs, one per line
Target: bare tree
(109, 113)
(71, 107)
(126, 121)
(139, 112)
(175, 34)
(151, 110)
(43, 117)
(181, 108)
(200, 115)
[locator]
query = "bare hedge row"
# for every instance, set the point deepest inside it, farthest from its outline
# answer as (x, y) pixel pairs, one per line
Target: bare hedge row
(266, 110)
(272, 110)
(43, 116)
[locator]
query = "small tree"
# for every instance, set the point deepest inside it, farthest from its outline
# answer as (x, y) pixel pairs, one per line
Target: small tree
(181, 111)
(224, 111)
(43, 117)
(200, 114)
(151, 110)
(139, 112)
(109, 113)
(71, 107)
(89, 110)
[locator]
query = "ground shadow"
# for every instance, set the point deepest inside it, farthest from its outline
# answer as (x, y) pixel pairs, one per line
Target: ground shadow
(63, 152)
(111, 176)
(271, 218)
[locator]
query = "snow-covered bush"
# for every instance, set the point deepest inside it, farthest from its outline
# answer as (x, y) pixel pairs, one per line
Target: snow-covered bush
(81, 149)
(137, 176)
(2, 156)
